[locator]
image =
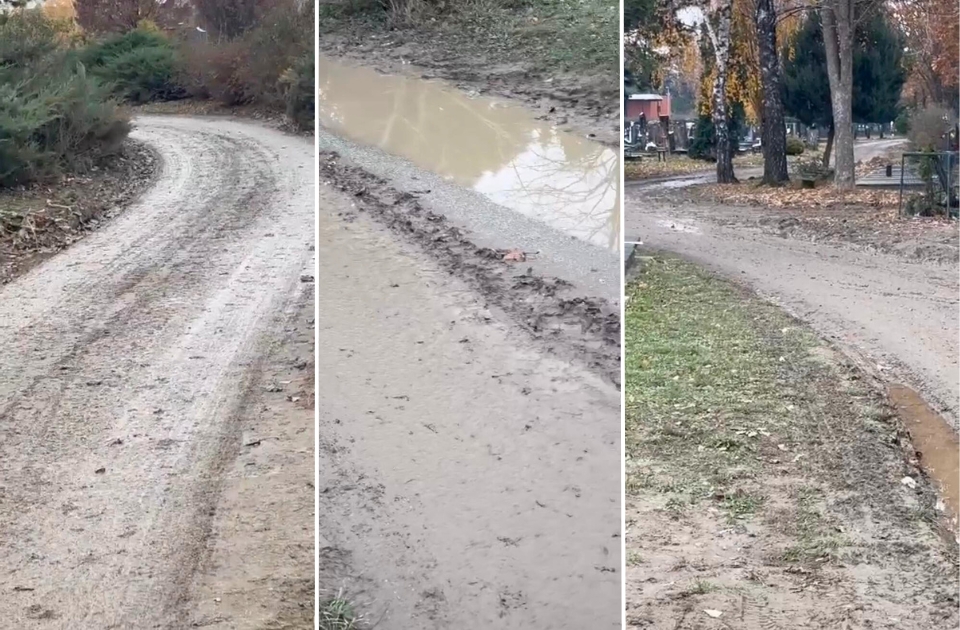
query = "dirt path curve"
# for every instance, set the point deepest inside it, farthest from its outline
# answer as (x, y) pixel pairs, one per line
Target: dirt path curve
(468, 478)
(126, 361)
(887, 311)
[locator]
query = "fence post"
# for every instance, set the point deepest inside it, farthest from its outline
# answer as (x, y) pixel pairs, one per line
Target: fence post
(903, 158)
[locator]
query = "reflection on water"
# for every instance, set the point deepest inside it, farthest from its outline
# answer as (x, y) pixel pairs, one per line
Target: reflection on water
(564, 181)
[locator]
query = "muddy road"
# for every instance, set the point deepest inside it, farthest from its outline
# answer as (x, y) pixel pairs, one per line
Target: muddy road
(896, 317)
(132, 379)
(469, 415)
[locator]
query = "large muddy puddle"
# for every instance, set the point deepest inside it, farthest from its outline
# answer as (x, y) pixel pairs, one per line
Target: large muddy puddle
(498, 150)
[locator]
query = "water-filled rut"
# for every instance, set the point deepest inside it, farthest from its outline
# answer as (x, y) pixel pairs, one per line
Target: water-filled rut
(496, 149)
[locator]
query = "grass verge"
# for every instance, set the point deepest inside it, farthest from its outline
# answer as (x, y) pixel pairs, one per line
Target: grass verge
(759, 461)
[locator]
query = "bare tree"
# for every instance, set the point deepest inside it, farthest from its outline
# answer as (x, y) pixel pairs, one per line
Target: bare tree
(117, 16)
(226, 19)
(774, 132)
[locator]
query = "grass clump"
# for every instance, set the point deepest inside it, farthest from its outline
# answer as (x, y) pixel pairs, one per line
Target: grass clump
(337, 614)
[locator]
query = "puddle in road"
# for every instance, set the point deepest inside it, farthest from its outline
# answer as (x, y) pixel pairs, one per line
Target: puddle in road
(499, 150)
(935, 440)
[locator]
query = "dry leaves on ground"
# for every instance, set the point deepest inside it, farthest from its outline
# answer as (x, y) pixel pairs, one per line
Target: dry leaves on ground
(800, 198)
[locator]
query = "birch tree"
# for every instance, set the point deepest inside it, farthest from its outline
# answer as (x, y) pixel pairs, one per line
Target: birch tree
(717, 20)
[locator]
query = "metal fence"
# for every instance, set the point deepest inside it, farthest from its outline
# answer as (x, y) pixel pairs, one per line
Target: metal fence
(929, 183)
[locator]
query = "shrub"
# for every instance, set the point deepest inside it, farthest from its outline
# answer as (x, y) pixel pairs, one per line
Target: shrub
(27, 41)
(794, 145)
(144, 74)
(140, 66)
(101, 53)
(902, 124)
(812, 169)
(212, 71)
(283, 36)
(54, 116)
(300, 92)
(67, 122)
(270, 65)
(928, 128)
(703, 142)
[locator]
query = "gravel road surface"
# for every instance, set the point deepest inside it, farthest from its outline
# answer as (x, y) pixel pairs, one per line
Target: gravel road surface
(128, 362)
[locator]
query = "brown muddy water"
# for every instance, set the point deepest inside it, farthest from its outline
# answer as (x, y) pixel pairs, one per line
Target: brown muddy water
(499, 150)
(934, 440)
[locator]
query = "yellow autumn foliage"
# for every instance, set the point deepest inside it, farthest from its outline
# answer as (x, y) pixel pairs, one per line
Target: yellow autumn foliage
(743, 78)
(59, 9)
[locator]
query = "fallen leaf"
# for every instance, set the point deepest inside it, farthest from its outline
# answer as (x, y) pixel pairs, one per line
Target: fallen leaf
(515, 255)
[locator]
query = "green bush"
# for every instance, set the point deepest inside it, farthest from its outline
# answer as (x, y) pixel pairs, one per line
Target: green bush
(67, 122)
(300, 92)
(794, 145)
(100, 53)
(703, 143)
(54, 116)
(144, 74)
(902, 124)
(140, 66)
(26, 39)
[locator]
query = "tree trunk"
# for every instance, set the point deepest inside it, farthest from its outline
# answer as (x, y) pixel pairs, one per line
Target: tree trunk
(774, 132)
(829, 149)
(721, 48)
(838, 25)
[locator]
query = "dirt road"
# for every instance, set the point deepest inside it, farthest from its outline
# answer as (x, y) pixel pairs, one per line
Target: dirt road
(131, 382)
(898, 316)
(469, 425)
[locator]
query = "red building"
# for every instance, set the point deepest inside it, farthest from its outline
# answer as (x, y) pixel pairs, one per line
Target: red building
(654, 106)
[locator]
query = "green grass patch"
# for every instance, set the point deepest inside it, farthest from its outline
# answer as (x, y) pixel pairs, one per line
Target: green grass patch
(704, 389)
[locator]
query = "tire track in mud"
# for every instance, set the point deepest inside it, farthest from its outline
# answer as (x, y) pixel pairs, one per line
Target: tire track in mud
(576, 327)
(469, 477)
(127, 355)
